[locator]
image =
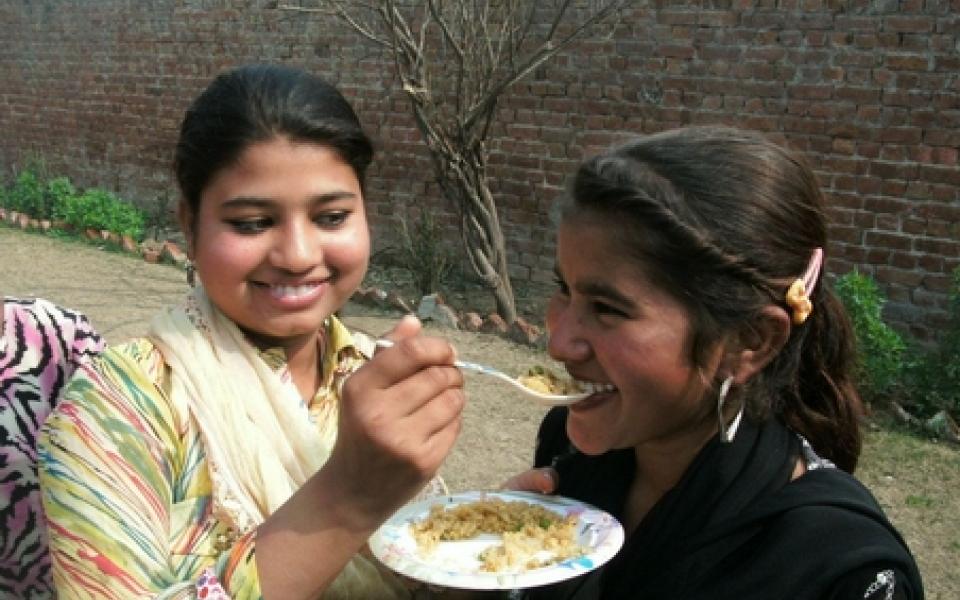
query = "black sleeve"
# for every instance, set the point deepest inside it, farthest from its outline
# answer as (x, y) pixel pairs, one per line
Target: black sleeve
(874, 582)
(552, 442)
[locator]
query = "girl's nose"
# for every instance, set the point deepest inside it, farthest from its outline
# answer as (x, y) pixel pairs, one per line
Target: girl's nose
(565, 341)
(297, 248)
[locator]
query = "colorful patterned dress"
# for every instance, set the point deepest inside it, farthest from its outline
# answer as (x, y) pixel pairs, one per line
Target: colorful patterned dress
(117, 431)
(41, 345)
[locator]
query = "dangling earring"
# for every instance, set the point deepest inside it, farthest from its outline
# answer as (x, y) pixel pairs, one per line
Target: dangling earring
(191, 273)
(727, 433)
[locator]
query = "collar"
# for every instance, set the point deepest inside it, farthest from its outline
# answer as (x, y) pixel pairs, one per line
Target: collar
(335, 341)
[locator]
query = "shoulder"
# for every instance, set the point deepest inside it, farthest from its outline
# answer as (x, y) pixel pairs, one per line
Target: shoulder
(127, 382)
(829, 504)
(139, 359)
(832, 502)
(59, 329)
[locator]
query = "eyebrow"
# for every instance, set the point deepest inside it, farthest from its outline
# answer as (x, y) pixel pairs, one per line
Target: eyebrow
(260, 202)
(599, 289)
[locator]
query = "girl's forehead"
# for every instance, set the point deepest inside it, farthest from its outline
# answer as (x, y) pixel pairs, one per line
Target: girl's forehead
(601, 248)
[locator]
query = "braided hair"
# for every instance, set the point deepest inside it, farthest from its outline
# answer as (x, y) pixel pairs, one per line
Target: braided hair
(725, 220)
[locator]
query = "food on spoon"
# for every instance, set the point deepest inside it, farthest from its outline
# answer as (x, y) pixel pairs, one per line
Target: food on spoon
(533, 536)
(541, 379)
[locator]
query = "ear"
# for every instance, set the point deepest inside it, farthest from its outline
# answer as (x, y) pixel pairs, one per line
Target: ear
(757, 343)
(186, 217)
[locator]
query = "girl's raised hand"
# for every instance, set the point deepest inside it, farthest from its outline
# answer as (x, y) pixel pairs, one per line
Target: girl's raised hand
(400, 415)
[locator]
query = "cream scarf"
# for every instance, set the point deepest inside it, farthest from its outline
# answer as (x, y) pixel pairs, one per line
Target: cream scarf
(256, 431)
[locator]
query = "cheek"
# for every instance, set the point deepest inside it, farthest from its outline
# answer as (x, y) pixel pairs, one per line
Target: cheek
(223, 251)
(349, 252)
(552, 318)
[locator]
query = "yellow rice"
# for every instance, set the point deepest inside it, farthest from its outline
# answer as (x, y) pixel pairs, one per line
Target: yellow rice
(525, 528)
(543, 380)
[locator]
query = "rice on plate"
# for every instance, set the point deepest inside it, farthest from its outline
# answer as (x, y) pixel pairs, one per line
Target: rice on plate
(527, 530)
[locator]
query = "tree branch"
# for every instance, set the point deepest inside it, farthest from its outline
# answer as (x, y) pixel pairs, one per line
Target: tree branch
(341, 13)
(547, 50)
(435, 13)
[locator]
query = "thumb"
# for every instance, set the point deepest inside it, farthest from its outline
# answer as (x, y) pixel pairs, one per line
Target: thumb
(408, 326)
(542, 480)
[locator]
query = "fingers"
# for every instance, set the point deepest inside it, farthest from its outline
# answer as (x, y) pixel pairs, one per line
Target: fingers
(407, 357)
(426, 434)
(543, 480)
(407, 326)
(400, 415)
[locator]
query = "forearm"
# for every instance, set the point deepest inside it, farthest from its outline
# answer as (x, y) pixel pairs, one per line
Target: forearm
(305, 544)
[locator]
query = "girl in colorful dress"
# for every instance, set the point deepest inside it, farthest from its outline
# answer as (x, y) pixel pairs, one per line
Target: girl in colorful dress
(228, 453)
(41, 345)
(690, 289)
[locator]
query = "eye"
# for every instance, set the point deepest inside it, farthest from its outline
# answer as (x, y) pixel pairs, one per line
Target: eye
(250, 226)
(332, 218)
(604, 309)
(561, 285)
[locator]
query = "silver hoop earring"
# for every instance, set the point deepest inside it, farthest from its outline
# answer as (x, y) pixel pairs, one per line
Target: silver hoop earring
(727, 433)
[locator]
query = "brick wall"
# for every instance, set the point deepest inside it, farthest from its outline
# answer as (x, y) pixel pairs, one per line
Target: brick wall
(869, 90)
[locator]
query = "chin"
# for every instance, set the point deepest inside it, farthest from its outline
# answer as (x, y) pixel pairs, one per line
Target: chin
(588, 446)
(275, 334)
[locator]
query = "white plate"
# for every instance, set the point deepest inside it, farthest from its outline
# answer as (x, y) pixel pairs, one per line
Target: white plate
(455, 564)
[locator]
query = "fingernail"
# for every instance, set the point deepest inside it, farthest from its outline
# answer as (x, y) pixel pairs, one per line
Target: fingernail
(548, 480)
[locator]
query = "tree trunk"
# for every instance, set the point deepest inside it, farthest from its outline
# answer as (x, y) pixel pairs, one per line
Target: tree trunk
(466, 187)
(461, 170)
(503, 293)
(497, 251)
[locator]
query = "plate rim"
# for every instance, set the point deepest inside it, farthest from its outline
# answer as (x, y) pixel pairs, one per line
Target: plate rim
(384, 549)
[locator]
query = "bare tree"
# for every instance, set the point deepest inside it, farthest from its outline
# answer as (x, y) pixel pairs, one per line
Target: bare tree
(454, 59)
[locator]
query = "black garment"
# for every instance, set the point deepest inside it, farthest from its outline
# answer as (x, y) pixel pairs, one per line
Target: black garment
(735, 527)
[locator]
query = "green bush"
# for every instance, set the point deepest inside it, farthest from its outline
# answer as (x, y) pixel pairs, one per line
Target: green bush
(933, 380)
(100, 209)
(26, 196)
(57, 198)
(59, 191)
(881, 351)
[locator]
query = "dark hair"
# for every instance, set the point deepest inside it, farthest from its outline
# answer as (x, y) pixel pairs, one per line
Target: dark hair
(255, 103)
(725, 220)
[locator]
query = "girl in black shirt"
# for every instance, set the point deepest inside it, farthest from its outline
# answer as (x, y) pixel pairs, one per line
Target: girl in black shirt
(690, 291)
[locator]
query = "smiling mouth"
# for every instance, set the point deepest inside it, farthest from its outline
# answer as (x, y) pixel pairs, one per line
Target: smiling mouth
(289, 292)
(594, 387)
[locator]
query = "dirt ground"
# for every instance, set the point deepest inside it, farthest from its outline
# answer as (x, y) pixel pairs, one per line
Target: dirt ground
(914, 480)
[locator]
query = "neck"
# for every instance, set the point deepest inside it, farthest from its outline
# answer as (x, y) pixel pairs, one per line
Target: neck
(303, 360)
(660, 464)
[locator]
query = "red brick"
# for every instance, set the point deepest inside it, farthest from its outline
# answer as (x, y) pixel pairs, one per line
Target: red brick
(946, 156)
(905, 24)
(937, 174)
(901, 135)
(907, 62)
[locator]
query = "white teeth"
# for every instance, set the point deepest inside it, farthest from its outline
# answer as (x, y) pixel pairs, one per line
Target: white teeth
(291, 291)
(593, 387)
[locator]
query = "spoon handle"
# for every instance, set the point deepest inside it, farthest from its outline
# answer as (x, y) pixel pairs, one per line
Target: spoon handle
(542, 398)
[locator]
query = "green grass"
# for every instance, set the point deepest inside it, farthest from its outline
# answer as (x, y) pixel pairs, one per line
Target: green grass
(916, 480)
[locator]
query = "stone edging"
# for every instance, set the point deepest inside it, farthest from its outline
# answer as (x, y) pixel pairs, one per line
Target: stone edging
(433, 308)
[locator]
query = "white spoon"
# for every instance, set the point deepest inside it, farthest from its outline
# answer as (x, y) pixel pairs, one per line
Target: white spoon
(541, 397)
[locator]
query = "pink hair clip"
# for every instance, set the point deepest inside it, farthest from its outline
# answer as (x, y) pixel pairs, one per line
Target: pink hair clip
(798, 295)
